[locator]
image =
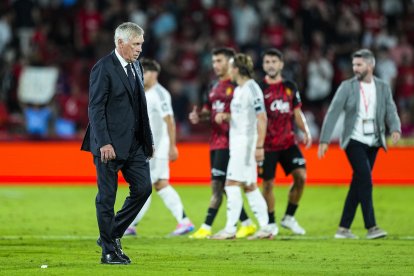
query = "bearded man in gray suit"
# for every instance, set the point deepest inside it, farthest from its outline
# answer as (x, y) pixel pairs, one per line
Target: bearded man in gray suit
(369, 111)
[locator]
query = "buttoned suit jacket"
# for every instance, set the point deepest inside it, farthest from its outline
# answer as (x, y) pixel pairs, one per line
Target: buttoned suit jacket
(112, 109)
(347, 99)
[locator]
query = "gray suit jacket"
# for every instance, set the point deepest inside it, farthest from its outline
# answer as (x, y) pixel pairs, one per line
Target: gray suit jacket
(347, 99)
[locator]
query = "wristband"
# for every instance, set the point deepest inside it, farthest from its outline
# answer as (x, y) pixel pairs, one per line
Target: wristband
(259, 147)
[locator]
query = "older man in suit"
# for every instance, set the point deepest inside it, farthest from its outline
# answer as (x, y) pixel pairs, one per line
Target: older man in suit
(369, 110)
(119, 138)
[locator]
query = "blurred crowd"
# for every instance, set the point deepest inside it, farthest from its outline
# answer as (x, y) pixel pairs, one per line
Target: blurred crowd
(61, 39)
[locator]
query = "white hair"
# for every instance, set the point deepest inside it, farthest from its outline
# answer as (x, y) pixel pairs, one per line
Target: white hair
(126, 31)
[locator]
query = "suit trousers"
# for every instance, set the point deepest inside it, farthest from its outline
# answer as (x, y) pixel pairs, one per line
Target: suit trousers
(136, 172)
(362, 158)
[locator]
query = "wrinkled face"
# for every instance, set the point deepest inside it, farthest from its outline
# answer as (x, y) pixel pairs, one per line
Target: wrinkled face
(220, 65)
(361, 68)
(131, 49)
(233, 71)
(272, 66)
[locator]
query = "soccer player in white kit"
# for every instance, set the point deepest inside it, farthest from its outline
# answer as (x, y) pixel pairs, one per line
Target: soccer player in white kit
(248, 122)
(162, 123)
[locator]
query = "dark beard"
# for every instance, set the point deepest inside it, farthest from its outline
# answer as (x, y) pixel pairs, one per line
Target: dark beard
(274, 76)
(361, 76)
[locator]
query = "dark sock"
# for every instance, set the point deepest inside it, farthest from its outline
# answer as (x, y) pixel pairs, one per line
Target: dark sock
(243, 215)
(291, 209)
(271, 217)
(211, 215)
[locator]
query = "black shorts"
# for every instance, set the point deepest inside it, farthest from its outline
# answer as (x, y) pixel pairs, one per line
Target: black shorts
(219, 160)
(290, 159)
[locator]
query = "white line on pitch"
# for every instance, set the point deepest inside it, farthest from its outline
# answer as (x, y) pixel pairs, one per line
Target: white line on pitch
(75, 237)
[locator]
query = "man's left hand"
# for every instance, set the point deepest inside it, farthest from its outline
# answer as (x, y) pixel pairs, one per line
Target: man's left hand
(173, 153)
(395, 137)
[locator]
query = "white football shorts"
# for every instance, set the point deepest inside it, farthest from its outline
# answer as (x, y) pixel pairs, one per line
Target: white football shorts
(242, 165)
(159, 169)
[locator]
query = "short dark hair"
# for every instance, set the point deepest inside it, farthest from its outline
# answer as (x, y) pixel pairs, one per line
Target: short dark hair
(273, 52)
(365, 54)
(226, 51)
(150, 65)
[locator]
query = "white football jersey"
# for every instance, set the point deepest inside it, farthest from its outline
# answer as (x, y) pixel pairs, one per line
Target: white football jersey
(246, 104)
(159, 106)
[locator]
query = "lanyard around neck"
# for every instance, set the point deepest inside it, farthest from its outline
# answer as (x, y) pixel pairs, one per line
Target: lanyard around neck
(365, 100)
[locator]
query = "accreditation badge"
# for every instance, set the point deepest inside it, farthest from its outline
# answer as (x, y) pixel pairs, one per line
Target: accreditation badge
(368, 126)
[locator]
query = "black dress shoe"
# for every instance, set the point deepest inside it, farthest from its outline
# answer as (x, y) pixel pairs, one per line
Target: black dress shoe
(119, 251)
(113, 259)
(118, 248)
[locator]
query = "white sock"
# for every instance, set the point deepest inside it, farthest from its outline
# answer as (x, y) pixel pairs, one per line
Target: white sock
(205, 226)
(246, 222)
(258, 205)
(172, 201)
(185, 220)
(142, 212)
(234, 206)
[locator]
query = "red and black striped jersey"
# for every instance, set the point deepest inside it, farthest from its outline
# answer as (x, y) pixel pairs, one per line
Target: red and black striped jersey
(280, 100)
(218, 100)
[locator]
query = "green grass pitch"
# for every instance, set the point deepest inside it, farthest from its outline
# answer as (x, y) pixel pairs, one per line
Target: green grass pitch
(56, 226)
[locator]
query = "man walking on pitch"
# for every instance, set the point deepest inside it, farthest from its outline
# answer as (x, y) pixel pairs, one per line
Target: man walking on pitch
(119, 137)
(369, 110)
